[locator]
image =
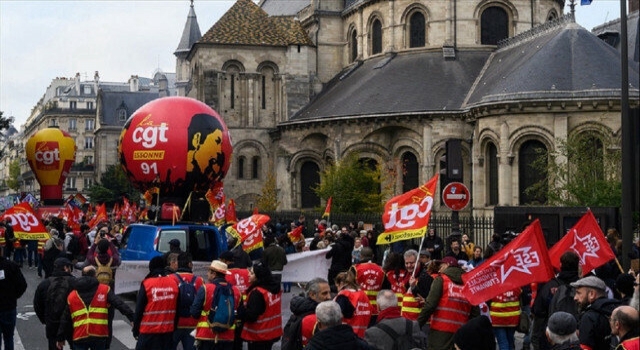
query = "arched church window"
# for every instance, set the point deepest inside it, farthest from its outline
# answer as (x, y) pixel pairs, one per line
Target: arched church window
(492, 173)
(533, 181)
(376, 37)
(410, 173)
(417, 30)
(309, 179)
(494, 25)
(353, 41)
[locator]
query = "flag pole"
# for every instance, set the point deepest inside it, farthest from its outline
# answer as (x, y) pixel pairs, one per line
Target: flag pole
(413, 274)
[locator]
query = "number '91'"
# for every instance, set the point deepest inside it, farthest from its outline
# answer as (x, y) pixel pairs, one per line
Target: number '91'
(149, 168)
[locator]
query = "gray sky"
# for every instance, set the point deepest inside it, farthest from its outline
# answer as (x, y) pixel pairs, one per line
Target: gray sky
(42, 40)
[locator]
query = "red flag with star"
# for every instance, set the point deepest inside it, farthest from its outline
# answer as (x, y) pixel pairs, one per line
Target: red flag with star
(588, 241)
(406, 216)
(524, 260)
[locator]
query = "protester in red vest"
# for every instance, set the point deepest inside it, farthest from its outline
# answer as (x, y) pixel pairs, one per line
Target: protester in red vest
(396, 275)
(445, 306)
(369, 277)
(505, 314)
(354, 303)
(156, 308)
(262, 310)
(624, 324)
(186, 324)
(208, 339)
(87, 312)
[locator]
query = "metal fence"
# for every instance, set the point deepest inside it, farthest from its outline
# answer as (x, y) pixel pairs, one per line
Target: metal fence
(479, 228)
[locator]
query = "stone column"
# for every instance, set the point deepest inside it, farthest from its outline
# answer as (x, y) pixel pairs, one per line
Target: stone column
(505, 182)
(427, 155)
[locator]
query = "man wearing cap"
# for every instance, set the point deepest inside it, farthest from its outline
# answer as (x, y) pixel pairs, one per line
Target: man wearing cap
(369, 277)
(594, 328)
(446, 306)
(174, 247)
(50, 298)
(156, 313)
(205, 335)
(624, 324)
(561, 331)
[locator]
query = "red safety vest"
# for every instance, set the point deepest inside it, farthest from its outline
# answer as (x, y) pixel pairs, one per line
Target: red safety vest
(162, 302)
(362, 313)
(369, 277)
(268, 326)
(203, 329)
(397, 282)
(630, 344)
(92, 321)
(505, 309)
(308, 328)
(188, 322)
(410, 306)
(239, 278)
(453, 308)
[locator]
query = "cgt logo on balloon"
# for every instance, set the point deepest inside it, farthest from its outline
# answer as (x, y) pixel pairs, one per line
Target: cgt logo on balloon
(47, 155)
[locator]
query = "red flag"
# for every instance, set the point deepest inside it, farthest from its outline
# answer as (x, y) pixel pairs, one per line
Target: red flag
(587, 240)
(524, 260)
(327, 210)
(25, 223)
(249, 231)
(230, 213)
(101, 215)
(255, 211)
(406, 216)
(296, 235)
(216, 198)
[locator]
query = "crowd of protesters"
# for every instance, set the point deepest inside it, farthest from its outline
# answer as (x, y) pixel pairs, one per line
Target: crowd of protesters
(405, 296)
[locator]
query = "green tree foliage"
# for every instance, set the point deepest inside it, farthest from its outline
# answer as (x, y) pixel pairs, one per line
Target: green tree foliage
(354, 186)
(14, 174)
(5, 122)
(268, 200)
(585, 170)
(113, 185)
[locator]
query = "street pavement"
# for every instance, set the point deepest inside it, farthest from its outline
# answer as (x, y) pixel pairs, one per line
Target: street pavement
(30, 333)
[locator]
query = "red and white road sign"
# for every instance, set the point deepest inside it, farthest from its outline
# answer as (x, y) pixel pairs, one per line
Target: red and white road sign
(456, 196)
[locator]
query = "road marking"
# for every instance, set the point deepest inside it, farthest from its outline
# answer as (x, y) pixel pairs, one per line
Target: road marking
(122, 332)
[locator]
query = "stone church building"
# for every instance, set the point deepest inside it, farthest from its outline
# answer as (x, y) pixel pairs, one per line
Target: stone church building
(302, 83)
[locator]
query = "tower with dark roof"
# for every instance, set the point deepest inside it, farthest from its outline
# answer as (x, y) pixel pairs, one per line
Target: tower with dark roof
(190, 35)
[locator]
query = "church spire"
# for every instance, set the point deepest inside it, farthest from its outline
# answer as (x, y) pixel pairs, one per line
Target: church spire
(190, 34)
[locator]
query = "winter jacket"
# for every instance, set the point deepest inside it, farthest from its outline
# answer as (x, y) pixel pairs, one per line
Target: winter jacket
(337, 337)
(41, 307)
(255, 305)
(12, 286)
(435, 293)
(379, 339)
(594, 328)
(341, 253)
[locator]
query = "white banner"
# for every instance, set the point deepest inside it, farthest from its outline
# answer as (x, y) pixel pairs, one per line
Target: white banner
(301, 267)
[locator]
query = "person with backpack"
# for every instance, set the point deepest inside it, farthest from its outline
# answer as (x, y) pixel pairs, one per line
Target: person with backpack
(156, 308)
(12, 287)
(569, 264)
(188, 285)
(261, 311)
(594, 328)
(49, 301)
(71, 244)
(392, 331)
(208, 306)
(86, 312)
(332, 332)
(293, 337)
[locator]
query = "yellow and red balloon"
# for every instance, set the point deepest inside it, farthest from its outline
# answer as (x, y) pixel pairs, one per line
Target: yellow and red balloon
(51, 152)
(177, 144)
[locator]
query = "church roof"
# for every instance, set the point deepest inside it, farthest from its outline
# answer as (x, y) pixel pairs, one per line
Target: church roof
(245, 23)
(410, 82)
(563, 62)
(190, 34)
(283, 7)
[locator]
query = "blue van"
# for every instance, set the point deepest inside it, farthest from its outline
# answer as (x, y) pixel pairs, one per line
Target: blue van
(143, 242)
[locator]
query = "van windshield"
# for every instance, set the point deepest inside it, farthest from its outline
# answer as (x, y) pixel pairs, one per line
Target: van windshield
(168, 235)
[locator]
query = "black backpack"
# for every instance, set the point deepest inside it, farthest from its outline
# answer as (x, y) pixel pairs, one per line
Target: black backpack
(292, 333)
(404, 341)
(562, 300)
(73, 248)
(186, 295)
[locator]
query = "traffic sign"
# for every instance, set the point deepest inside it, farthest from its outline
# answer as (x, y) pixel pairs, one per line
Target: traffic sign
(456, 196)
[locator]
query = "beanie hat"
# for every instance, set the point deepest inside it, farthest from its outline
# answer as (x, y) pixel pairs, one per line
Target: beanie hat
(157, 262)
(562, 323)
(624, 283)
(261, 270)
(477, 334)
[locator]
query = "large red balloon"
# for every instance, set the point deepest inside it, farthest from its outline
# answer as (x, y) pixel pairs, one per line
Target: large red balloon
(177, 144)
